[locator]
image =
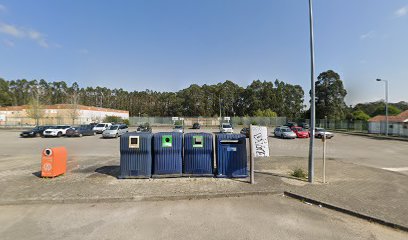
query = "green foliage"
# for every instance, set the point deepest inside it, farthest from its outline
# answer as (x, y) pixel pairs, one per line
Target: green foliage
(207, 100)
(360, 115)
(35, 110)
(392, 110)
(115, 119)
(298, 173)
(265, 113)
(253, 122)
(330, 94)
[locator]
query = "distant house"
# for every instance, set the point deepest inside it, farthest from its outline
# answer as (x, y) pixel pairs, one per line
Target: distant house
(397, 125)
(58, 114)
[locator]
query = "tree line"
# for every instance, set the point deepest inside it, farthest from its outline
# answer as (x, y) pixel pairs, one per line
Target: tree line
(260, 98)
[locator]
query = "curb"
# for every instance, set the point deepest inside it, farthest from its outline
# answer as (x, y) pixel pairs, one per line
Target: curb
(346, 211)
(137, 198)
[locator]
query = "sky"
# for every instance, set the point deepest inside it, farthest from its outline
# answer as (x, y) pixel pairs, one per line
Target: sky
(168, 45)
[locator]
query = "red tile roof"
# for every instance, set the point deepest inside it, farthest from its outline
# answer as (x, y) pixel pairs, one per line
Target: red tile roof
(402, 117)
(63, 106)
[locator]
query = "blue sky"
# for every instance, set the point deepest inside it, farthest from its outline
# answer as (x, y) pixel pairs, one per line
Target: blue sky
(168, 45)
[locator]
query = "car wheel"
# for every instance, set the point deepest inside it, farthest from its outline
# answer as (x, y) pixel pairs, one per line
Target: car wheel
(80, 135)
(116, 136)
(59, 134)
(38, 135)
(94, 133)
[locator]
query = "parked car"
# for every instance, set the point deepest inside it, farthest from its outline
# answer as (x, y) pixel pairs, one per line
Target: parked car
(226, 128)
(320, 132)
(304, 125)
(56, 131)
(35, 132)
(284, 132)
(144, 128)
(300, 132)
(178, 128)
(83, 130)
(115, 131)
(290, 124)
(101, 127)
(196, 126)
(245, 131)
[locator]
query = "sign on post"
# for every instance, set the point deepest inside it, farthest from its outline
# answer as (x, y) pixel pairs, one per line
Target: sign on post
(174, 118)
(259, 141)
(258, 146)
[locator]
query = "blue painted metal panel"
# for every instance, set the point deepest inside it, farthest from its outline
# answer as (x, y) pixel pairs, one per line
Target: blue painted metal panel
(198, 154)
(136, 162)
(167, 157)
(231, 155)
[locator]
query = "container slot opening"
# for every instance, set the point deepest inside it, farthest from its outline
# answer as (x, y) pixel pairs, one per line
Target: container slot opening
(229, 141)
(48, 152)
(133, 141)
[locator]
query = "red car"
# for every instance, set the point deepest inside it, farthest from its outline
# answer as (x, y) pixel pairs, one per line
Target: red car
(300, 132)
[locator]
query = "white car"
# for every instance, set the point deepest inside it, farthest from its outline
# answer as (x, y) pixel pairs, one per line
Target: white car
(56, 131)
(284, 132)
(226, 128)
(100, 127)
(115, 131)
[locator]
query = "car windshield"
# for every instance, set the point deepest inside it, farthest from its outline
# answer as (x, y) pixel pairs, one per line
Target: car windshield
(113, 128)
(286, 130)
(100, 125)
(61, 127)
(178, 127)
(320, 130)
(226, 125)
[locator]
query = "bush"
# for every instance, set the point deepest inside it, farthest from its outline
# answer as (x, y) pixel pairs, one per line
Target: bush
(253, 122)
(299, 173)
(116, 119)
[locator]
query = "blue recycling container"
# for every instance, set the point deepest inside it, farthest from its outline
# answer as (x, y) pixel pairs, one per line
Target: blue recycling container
(231, 155)
(136, 155)
(198, 154)
(167, 154)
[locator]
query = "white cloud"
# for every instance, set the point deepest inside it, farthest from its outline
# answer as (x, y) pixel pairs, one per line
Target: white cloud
(2, 8)
(8, 43)
(401, 12)
(19, 32)
(370, 34)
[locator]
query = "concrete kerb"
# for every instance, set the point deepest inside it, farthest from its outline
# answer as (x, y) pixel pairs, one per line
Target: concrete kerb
(346, 211)
(138, 198)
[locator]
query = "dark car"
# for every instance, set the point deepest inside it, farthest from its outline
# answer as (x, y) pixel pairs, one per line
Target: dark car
(83, 130)
(290, 124)
(304, 125)
(196, 126)
(35, 132)
(144, 128)
(245, 131)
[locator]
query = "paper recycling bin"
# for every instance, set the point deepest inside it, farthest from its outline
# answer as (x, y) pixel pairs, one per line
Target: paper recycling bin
(198, 154)
(167, 154)
(53, 162)
(231, 155)
(136, 155)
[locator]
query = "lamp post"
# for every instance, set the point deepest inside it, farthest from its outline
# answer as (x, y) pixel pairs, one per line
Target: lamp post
(386, 103)
(312, 101)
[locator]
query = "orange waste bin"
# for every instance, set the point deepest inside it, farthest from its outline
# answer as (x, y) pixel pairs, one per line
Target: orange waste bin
(53, 162)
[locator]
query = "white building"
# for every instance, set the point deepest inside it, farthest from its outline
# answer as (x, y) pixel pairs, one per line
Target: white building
(58, 114)
(397, 125)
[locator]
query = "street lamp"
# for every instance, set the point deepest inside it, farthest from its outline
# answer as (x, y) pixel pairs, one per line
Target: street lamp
(386, 103)
(312, 101)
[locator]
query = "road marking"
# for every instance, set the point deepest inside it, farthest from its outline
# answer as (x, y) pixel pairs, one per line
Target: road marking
(397, 169)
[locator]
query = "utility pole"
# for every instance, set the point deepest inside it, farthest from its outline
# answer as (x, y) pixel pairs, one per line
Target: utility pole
(312, 101)
(386, 104)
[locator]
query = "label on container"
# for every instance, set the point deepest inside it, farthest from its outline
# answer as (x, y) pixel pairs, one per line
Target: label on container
(167, 141)
(198, 142)
(231, 149)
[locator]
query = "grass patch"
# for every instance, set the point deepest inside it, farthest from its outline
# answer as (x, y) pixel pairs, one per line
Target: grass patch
(298, 173)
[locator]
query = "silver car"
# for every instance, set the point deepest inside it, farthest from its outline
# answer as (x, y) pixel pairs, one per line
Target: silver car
(284, 132)
(115, 131)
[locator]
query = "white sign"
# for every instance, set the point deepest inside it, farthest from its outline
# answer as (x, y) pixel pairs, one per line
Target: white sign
(2, 118)
(174, 118)
(259, 141)
(181, 119)
(227, 118)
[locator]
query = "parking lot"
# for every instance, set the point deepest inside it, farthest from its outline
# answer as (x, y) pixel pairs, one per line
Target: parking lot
(18, 153)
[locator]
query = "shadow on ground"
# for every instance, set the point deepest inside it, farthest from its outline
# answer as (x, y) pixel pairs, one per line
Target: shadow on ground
(112, 170)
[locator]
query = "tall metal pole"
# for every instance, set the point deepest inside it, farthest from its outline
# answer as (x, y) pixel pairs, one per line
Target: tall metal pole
(386, 107)
(312, 102)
